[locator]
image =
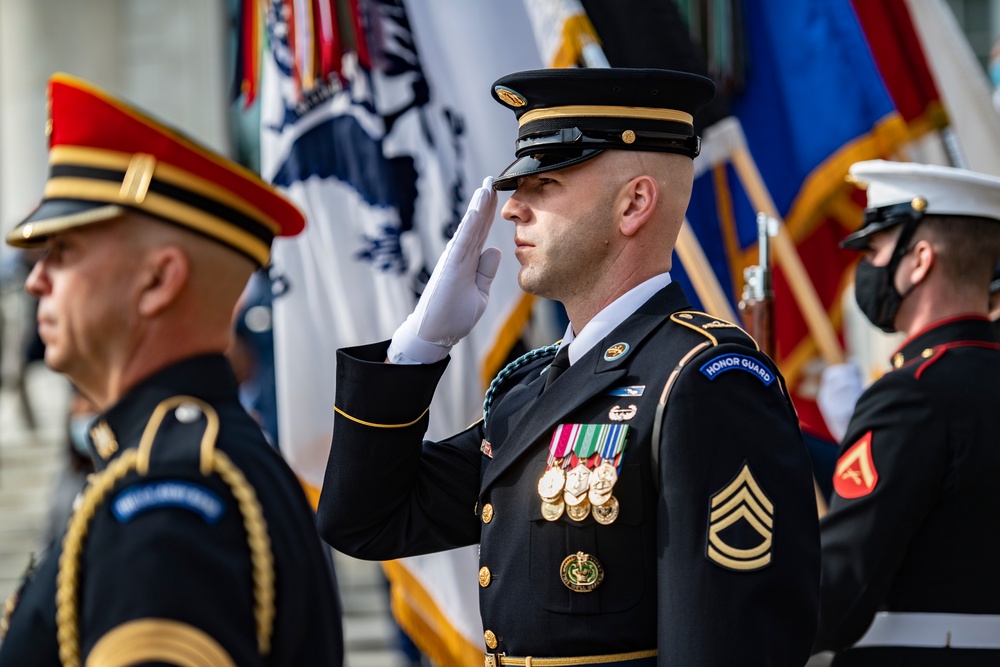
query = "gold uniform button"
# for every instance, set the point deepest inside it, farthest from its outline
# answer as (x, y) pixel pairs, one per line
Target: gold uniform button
(491, 639)
(487, 513)
(485, 577)
(898, 359)
(927, 353)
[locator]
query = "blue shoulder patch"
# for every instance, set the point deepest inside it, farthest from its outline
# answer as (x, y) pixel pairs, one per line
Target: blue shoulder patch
(737, 362)
(175, 493)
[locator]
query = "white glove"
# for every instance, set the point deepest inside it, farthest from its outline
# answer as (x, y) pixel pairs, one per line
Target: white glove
(839, 390)
(456, 295)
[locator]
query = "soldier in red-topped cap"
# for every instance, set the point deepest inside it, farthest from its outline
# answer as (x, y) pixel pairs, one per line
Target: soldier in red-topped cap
(193, 544)
(910, 545)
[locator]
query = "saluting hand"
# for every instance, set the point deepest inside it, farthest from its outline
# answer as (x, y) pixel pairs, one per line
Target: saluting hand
(456, 295)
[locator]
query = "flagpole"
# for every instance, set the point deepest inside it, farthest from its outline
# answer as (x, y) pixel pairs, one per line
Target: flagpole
(706, 284)
(785, 254)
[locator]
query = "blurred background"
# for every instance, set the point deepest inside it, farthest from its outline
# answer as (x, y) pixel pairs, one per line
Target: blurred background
(375, 116)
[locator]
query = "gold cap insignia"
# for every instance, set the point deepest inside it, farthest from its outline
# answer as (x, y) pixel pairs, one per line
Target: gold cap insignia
(581, 572)
(742, 500)
(509, 97)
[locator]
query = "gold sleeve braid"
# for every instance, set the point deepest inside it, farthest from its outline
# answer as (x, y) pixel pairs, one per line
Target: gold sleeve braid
(258, 540)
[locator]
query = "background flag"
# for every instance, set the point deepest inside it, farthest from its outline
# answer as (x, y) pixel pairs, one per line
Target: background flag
(377, 119)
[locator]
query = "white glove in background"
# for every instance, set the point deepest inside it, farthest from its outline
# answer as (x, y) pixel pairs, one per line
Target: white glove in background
(839, 389)
(458, 290)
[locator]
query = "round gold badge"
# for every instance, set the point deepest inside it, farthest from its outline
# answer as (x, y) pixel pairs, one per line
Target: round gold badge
(581, 572)
(485, 576)
(579, 512)
(628, 136)
(510, 97)
(615, 351)
(552, 511)
(607, 513)
(551, 484)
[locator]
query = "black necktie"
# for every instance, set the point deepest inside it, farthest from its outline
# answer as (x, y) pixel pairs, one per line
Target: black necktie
(558, 365)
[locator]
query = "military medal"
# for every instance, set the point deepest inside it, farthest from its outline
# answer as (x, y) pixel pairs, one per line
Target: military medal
(606, 513)
(581, 572)
(577, 483)
(551, 484)
(581, 471)
(602, 481)
(579, 511)
(552, 511)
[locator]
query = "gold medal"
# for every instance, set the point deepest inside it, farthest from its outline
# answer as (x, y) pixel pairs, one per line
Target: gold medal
(579, 511)
(607, 513)
(577, 484)
(551, 484)
(581, 572)
(602, 481)
(552, 511)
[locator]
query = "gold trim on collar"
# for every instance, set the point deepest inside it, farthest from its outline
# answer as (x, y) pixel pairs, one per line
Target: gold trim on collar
(593, 111)
(158, 640)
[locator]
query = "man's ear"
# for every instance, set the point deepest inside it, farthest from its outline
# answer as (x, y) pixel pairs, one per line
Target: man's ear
(641, 195)
(165, 273)
(924, 257)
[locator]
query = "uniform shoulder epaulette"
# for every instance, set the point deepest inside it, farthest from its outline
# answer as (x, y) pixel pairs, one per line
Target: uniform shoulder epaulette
(192, 413)
(715, 329)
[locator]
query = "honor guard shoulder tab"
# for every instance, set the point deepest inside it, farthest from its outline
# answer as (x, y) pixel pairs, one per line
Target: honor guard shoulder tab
(715, 329)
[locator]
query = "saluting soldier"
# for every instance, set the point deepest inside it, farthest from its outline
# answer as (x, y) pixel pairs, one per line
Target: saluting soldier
(193, 544)
(641, 496)
(910, 545)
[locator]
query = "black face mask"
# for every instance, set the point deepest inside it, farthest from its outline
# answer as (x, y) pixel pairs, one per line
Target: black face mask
(876, 294)
(874, 286)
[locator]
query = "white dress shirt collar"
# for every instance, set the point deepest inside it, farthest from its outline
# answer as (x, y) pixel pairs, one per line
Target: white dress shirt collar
(611, 316)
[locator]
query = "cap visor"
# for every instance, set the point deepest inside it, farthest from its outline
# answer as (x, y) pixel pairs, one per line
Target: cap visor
(56, 215)
(530, 165)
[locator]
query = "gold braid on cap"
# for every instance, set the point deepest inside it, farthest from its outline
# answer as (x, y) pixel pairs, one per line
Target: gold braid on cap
(262, 559)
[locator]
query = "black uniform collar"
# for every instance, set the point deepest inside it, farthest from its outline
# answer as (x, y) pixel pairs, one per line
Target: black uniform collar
(922, 344)
(208, 377)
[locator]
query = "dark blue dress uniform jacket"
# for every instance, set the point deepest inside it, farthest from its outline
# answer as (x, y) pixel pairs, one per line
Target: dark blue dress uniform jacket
(180, 560)
(924, 538)
(386, 495)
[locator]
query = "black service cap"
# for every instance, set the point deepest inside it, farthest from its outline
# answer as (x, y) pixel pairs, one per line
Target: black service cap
(567, 116)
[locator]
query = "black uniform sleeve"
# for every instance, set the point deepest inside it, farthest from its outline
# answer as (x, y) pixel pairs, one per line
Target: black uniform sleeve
(167, 572)
(737, 522)
(386, 493)
(865, 537)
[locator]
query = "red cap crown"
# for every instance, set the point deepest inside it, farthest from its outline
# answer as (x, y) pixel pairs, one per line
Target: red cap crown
(106, 157)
